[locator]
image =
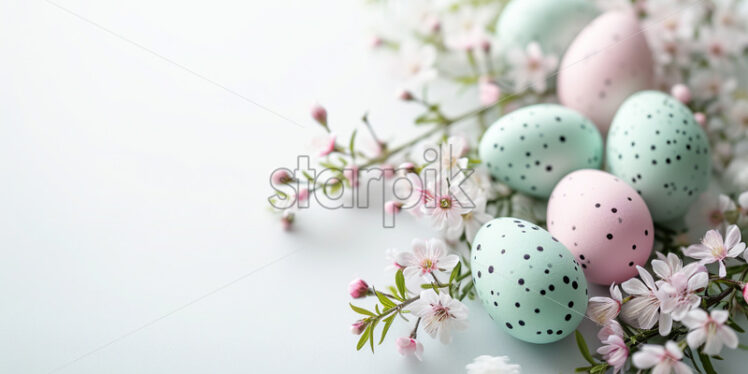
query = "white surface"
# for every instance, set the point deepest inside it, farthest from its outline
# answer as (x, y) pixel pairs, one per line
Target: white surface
(131, 188)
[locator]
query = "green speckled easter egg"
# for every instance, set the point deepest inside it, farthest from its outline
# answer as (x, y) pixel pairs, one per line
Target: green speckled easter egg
(551, 23)
(656, 146)
(529, 283)
(532, 148)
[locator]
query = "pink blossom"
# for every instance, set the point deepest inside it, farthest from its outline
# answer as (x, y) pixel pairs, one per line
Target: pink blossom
(678, 294)
(665, 359)
(614, 351)
(713, 249)
(489, 91)
(427, 258)
(391, 256)
(612, 327)
(440, 314)
(358, 327)
(319, 114)
(531, 68)
(745, 292)
(358, 288)
(710, 329)
(393, 207)
(602, 309)
(681, 92)
(643, 310)
(410, 346)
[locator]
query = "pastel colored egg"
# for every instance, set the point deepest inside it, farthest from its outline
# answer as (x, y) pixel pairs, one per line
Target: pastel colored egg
(528, 281)
(656, 145)
(603, 222)
(532, 148)
(551, 23)
(606, 63)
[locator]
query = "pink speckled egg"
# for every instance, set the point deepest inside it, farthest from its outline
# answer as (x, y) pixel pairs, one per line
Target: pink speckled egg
(603, 222)
(607, 62)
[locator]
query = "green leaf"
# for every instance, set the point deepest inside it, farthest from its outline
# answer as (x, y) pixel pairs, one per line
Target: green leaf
(386, 302)
(364, 337)
(583, 369)
(361, 310)
(708, 368)
(395, 293)
(387, 323)
(743, 347)
(353, 139)
(371, 335)
(735, 326)
(583, 348)
(455, 272)
(307, 176)
(400, 282)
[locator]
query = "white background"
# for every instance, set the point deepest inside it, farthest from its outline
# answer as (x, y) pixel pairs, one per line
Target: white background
(134, 234)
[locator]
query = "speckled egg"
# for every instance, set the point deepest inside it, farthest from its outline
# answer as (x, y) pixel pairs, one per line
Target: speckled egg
(532, 148)
(606, 63)
(529, 283)
(603, 222)
(551, 23)
(656, 146)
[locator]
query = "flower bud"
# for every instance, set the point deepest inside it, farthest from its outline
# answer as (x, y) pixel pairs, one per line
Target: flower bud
(358, 327)
(388, 171)
(489, 91)
(745, 292)
(405, 95)
(281, 177)
(700, 118)
(485, 45)
(303, 194)
(407, 166)
(681, 92)
(287, 219)
(409, 346)
(358, 288)
(320, 115)
(376, 41)
(393, 207)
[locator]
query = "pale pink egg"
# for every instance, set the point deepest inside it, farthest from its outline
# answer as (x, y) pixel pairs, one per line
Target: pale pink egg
(603, 222)
(607, 62)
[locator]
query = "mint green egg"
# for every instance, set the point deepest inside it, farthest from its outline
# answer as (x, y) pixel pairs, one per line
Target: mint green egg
(529, 283)
(532, 148)
(551, 23)
(656, 146)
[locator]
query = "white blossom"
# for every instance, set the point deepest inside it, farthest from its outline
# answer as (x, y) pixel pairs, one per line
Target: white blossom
(440, 314)
(492, 365)
(709, 329)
